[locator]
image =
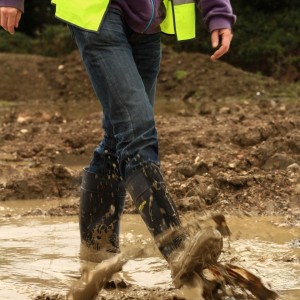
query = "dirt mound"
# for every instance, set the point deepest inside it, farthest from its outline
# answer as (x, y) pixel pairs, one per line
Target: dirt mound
(235, 158)
(23, 80)
(228, 154)
(56, 181)
(182, 76)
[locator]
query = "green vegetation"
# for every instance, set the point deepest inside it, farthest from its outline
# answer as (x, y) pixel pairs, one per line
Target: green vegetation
(4, 103)
(266, 38)
(180, 74)
(54, 41)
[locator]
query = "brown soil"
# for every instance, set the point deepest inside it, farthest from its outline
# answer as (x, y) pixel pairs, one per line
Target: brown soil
(229, 140)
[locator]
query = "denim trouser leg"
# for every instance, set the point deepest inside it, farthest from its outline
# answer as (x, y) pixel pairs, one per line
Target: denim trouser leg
(123, 67)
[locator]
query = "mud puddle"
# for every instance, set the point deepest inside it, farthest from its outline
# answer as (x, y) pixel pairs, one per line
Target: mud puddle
(40, 254)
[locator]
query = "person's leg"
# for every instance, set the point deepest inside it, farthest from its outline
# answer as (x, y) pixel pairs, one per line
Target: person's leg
(148, 190)
(147, 60)
(104, 162)
(102, 200)
(103, 191)
(123, 68)
(109, 58)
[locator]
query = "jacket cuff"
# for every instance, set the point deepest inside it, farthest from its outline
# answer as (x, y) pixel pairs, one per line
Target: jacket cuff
(220, 23)
(19, 4)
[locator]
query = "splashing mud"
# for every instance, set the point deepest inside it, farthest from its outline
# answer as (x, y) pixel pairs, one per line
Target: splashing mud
(40, 255)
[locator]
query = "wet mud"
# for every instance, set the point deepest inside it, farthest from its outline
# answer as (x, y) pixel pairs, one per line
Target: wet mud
(229, 143)
(210, 162)
(45, 257)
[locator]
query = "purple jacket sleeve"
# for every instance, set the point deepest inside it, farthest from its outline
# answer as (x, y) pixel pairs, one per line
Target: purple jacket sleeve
(217, 14)
(13, 3)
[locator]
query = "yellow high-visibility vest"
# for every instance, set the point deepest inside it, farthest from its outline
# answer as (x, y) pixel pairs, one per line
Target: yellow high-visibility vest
(180, 19)
(88, 14)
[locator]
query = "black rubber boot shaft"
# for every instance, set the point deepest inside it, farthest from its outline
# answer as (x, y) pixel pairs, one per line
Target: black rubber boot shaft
(147, 189)
(101, 205)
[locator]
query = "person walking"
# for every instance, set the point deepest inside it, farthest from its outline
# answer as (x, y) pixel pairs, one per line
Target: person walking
(120, 45)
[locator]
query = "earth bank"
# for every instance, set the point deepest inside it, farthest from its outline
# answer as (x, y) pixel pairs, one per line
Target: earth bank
(229, 140)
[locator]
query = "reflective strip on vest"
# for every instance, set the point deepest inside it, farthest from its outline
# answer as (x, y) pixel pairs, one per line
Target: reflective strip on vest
(85, 14)
(180, 19)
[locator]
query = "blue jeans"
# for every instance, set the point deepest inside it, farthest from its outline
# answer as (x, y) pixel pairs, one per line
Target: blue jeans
(123, 67)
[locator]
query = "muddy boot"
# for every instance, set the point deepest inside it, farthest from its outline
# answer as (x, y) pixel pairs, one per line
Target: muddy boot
(101, 204)
(148, 192)
(183, 253)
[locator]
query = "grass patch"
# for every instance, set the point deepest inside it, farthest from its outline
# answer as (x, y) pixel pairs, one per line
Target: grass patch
(4, 103)
(181, 74)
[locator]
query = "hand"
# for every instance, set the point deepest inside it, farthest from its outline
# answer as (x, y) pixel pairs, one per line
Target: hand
(10, 18)
(223, 36)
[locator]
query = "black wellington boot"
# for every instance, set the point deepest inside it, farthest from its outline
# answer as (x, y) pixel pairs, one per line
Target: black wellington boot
(183, 252)
(101, 205)
(147, 189)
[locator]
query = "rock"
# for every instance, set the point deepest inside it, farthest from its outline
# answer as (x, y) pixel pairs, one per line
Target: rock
(187, 171)
(201, 168)
(24, 130)
(23, 119)
(191, 203)
(250, 137)
(295, 243)
(293, 168)
(278, 161)
(224, 202)
(294, 144)
(35, 212)
(75, 141)
(225, 110)
(211, 194)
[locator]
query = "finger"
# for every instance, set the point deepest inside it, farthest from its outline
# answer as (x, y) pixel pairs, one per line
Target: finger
(18, 18)
(3, 20)
(11, 24)
(220, 52)
(226, 40)
(215, 39)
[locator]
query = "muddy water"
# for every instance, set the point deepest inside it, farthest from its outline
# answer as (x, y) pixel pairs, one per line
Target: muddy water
(39, 254)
